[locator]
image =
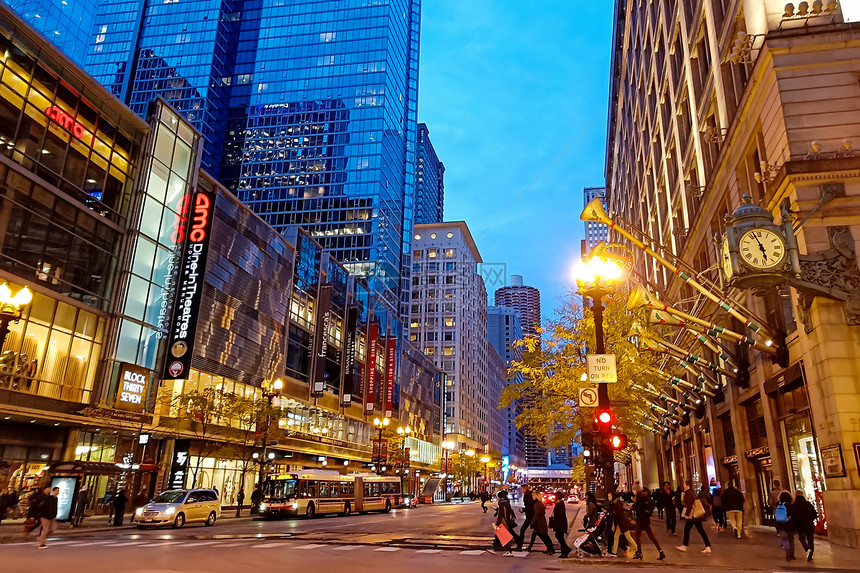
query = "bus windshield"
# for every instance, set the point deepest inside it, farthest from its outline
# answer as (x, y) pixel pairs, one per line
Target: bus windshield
(282, 488)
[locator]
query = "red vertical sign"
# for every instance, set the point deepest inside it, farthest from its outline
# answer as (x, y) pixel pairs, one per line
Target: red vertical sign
(390, 363)
(370, 396)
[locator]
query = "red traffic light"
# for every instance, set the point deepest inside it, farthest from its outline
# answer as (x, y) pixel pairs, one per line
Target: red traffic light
(604, 417)
(618, 441)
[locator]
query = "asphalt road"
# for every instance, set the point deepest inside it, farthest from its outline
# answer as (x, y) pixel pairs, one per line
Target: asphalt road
(446, 538)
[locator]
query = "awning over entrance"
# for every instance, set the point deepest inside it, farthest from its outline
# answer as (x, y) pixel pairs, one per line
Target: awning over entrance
(99, 468)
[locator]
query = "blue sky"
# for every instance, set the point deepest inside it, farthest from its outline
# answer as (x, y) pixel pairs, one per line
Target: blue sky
(505, 88)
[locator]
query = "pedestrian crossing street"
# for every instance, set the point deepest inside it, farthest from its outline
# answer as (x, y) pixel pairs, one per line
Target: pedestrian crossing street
(250, 543)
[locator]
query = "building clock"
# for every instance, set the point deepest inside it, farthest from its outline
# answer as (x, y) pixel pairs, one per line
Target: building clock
(761, 248)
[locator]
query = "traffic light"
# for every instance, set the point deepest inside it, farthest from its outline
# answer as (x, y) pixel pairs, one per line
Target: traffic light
(617, 442)
(604, 420)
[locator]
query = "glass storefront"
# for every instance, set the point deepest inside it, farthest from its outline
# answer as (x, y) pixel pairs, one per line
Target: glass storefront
(226, 475)
(53, 351)
(47, 127)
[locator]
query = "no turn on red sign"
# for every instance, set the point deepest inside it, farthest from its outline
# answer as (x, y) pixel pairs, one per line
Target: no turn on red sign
(601, 369)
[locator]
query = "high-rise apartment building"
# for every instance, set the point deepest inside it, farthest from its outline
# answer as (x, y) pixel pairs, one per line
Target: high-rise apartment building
(711, 101)
(448, 322)
(429, 181)
(594, 231)
(503, 331)
(308, 109)
(526, 301)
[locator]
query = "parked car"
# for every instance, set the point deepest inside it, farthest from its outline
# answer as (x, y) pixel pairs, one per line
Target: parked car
(549, 498)
(176, 507)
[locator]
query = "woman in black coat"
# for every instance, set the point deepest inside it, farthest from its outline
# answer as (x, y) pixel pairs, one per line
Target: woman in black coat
(558, 523)
(805, 517)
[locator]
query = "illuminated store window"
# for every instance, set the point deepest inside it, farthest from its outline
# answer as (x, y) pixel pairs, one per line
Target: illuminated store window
(53, 351)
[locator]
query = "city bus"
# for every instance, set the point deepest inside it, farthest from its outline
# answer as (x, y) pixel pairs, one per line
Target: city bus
(313, 492)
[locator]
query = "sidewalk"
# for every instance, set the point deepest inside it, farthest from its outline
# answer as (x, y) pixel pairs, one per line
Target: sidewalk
(13, 529)
(759, 549)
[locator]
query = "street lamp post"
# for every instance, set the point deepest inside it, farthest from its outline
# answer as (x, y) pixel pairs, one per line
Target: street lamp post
(595, 278)
(10, 308)
(471, 454)
(486, 460)
(447, 447)
(380, 424)
(403, 432)
(270, 390)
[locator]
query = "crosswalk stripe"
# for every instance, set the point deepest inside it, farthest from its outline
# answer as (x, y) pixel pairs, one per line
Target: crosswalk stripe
(388, 549)
(429, 551)
(233, 544)
(311, 546)
(124, 543)
(199, 543)
(472, 552)
(346, 548)
(163, 543)
(270, 545)
(521, 554)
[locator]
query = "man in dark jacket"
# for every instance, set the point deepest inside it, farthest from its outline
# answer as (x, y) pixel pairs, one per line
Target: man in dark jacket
(80, 506)
(733, 504)
(119, 503)
(540, 526)
(48, 514)
(8, 500)
(642, 508)
(805, 517)
(558, 523)
(485, 497)
(668, 504)
(529, 511)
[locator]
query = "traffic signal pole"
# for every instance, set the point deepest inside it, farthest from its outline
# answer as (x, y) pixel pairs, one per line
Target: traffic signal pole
(603, 403)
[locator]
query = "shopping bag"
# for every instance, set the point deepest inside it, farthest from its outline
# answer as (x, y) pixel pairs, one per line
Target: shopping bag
(698, 509)
(503, 534)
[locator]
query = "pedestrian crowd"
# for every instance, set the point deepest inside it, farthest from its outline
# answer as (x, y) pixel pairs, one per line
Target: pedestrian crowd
(627, 515)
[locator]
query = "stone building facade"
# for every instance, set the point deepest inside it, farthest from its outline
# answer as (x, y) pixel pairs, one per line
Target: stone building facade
(712, 100)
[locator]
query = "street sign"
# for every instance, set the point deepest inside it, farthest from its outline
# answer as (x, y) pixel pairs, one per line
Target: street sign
(601, 368)
(587, 397)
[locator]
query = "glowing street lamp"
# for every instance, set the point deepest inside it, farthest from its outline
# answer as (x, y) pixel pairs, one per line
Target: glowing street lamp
(380, 424)
(270, 390)
(10, 307)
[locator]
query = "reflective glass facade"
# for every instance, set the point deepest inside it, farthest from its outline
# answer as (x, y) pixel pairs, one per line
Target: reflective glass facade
(430, 181)
(66, 23)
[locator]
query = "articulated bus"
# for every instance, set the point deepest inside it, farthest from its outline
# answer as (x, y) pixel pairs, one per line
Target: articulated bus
(313, 492)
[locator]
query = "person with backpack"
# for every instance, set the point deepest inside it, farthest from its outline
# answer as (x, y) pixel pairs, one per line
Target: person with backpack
(694, 513)
(805, 517)
(643, 507)
(783, 517)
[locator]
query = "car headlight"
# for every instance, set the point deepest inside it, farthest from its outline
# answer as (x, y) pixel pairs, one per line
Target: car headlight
(170, 511)
(295, 505)
(263, 507)
(139, 511)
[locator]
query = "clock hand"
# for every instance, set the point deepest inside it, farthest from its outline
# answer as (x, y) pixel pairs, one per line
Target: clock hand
(761, 247)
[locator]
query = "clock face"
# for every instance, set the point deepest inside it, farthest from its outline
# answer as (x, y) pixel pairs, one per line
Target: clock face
(761, 248)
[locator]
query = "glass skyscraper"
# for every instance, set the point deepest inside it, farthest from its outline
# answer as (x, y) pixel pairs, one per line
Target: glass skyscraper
(430, 181)
(65, 23)
(308, 109)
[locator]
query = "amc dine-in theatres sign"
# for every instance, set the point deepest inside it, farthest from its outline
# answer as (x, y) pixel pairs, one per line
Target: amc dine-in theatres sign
(192, 232)
(67, 122)
(133, 383)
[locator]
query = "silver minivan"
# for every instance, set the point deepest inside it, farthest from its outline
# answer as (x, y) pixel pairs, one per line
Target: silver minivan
(177, 507)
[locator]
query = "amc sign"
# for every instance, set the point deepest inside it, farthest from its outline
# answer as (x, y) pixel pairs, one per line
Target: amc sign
(133, 383)
(68, 122)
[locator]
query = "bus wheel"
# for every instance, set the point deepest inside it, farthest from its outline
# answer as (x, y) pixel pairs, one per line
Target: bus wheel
(310, 512)
(387, 506)
(347, 509)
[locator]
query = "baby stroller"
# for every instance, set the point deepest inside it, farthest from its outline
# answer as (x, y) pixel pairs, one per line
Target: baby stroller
(586, 544)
